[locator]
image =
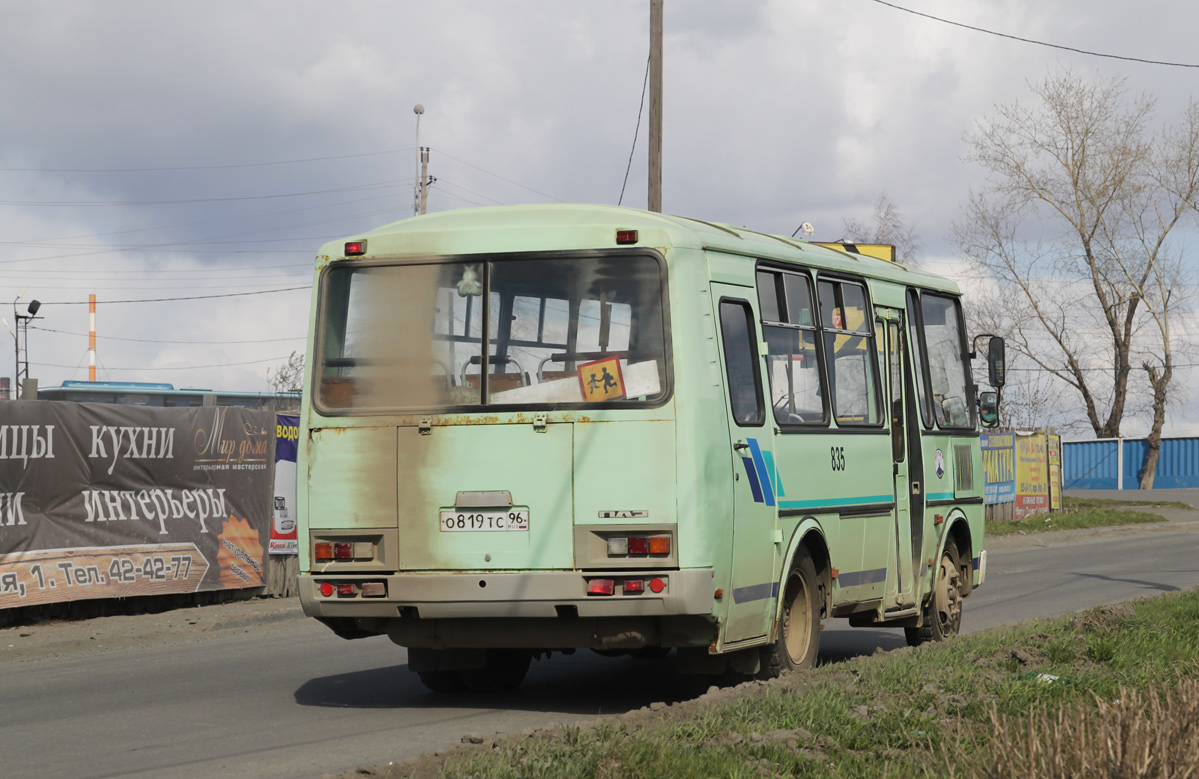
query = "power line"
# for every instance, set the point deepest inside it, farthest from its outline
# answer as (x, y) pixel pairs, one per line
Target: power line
(203, 167)
(155, 341)
(25, 274)
(1030, 40)
(181, 284)
(464, 189)
(164, 300)
(192, 201)
(184, 368)
(201, 222)
(498, 176)
(636, 131)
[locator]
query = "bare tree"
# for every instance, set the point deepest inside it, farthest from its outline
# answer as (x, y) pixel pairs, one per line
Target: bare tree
(288, 378)
(887, 226)
(1073, 232)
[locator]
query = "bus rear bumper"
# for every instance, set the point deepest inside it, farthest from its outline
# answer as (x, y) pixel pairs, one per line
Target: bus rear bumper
(541, 594)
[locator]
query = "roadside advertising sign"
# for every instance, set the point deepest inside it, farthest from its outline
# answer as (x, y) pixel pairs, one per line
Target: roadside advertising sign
(284, 539)
(107, 501)
(999, 465)
(1032, 479)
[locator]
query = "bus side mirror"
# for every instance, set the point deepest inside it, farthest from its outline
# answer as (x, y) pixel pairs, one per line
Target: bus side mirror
(996, 362)
(988, 409)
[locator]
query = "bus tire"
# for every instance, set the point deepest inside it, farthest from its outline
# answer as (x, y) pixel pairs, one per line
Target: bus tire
(442, 681)
(799, 627)
(505, 670)
(942, 616)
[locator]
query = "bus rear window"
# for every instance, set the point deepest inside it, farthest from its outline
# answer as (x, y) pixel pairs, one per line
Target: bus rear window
(563, 330)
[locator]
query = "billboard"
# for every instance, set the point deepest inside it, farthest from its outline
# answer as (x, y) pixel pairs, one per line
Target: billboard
(999, 465)
(284, 538)
(1032, 477)
(104, 501)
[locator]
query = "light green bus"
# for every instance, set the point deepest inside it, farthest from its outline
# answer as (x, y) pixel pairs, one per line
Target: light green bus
(544, 428)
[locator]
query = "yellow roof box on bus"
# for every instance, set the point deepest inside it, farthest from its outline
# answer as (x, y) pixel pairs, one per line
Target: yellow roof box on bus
(879, 251)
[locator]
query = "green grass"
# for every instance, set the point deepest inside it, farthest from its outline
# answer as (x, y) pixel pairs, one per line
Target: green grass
(1072, 520)
(1077, 503)
(910, 713)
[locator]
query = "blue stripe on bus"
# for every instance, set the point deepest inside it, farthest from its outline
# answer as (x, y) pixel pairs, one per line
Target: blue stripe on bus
(858, 578)
(755, 592)
(837, 502)
(756, 450)
(752, 475)
(776, 480)
(938, 496)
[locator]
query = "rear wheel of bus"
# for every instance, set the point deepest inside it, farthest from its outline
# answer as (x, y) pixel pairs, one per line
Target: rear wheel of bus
(943, 610)
(799, 628)
(504, 670)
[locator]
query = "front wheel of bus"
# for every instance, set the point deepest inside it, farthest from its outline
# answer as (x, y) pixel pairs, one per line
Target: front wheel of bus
(943, 611)
(799, 628)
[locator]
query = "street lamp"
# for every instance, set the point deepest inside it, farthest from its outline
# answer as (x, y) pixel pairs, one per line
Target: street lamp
(23, 330)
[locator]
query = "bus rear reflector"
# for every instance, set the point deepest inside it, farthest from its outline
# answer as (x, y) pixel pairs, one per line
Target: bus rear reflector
(656, 585)
(601, 586)
(327, 589)
(355, 248)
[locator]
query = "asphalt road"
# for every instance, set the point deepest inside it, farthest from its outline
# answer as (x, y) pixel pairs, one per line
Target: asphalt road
(287, 698)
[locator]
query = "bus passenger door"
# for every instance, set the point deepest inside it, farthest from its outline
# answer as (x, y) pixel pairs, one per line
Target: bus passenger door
(753, 579)
(901, 584)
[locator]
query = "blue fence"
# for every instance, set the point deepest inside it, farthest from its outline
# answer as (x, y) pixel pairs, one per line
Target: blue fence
(1115, 464)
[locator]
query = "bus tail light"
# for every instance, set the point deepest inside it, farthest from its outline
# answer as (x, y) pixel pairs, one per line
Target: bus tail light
(626, 237)
(633, 586)
(601, 586)
(355, 248)
(347, 589)
(638, 546)
(374, 590)
(342, 551)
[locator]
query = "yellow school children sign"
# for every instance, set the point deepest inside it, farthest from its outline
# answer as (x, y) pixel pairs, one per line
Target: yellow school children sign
(601, 380)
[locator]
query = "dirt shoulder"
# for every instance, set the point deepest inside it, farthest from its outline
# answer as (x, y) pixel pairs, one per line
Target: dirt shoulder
(1176, 521)
(54, 638)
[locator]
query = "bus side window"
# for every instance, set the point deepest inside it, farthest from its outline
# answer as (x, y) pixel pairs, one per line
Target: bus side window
(850, 353)
(793, 361)
(917, 350)
(741, 362)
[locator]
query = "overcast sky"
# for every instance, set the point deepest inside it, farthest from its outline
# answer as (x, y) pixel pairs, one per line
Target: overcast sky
(171, 150)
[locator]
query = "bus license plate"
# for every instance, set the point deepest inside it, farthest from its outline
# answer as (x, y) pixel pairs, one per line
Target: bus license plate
(508, 519)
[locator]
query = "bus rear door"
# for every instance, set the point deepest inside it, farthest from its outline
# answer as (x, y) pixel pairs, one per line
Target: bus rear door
(755, 514)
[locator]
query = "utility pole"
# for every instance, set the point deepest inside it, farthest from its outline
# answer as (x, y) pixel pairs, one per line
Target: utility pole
(425, 179)
(418, 109)
(655, 105)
